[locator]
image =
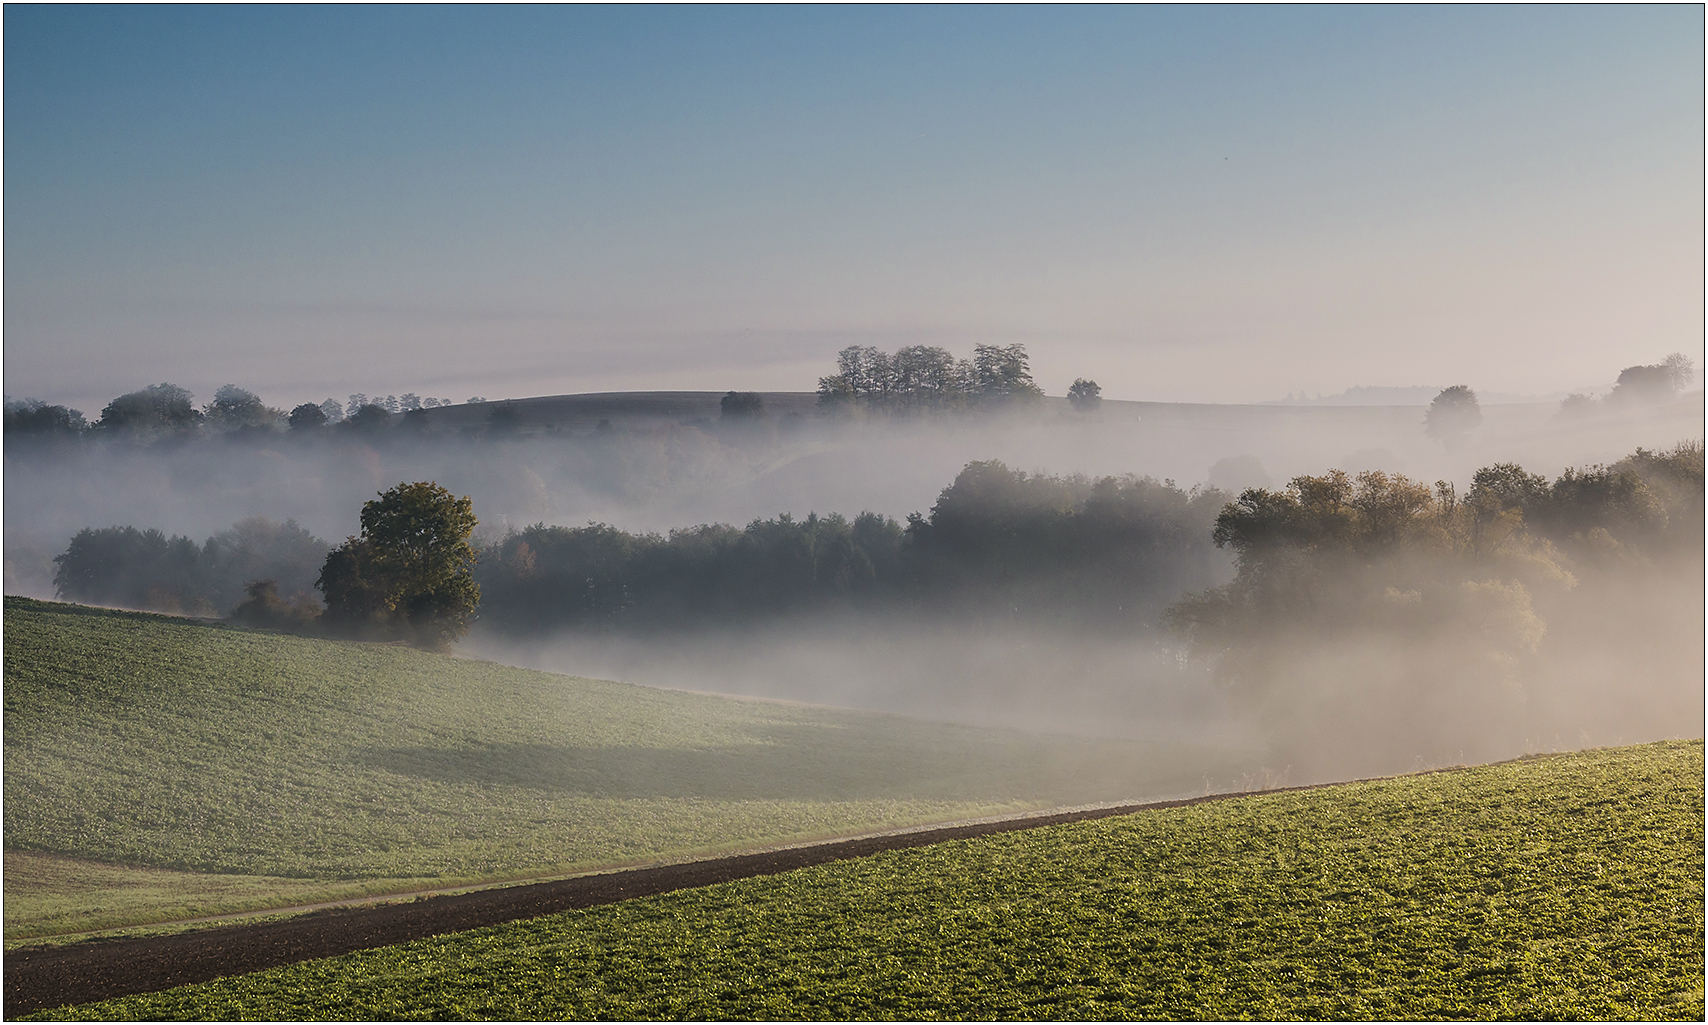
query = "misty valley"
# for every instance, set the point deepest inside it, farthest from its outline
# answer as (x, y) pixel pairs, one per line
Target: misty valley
(853, 512)
(260, 660)
(1336, 590)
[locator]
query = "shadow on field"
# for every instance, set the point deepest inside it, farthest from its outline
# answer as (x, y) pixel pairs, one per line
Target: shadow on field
(788, 763)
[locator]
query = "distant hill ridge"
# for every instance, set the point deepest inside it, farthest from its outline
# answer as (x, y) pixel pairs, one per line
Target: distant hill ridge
(1407, 395)
(584, 411)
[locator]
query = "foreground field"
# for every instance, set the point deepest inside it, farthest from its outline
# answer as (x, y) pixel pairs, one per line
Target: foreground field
(1568, 886)
(206, 770)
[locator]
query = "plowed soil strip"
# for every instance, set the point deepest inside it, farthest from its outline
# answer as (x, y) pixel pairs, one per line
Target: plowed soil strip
(100, 969)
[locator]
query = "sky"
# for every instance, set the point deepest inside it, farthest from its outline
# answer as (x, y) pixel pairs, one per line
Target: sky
(1205, 204)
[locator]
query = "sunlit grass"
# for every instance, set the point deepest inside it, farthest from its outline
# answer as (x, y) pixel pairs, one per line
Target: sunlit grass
(1568, 886)
(147, 741)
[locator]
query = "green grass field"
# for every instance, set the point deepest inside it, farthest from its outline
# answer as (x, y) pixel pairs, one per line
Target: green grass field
(1566, 886)
(160, 769)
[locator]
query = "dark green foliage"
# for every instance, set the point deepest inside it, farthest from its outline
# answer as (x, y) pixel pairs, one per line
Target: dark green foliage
(307, 418)
(1560, 887)
(141, 569)
(144, 569)
(34, 420)
(409, 573)
(1112, 550)
(368, 420)
(158, 409)
(545, 577)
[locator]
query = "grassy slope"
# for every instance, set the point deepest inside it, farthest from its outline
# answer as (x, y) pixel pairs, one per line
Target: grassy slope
(142, 740)
(1568, 886)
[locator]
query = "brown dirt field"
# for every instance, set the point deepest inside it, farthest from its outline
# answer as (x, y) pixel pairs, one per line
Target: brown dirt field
(97, 969)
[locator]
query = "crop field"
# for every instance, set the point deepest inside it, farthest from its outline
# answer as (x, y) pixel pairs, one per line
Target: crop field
(160, 769)
(1564, 886)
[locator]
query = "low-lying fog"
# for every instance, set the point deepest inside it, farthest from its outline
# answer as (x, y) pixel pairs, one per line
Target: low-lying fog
(1605, 683)
(654, 477)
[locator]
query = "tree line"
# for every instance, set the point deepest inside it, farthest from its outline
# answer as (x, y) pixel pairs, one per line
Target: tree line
(1377, 607)
(1329, 555)
(1114, 549)
(166, 412)
(1038, 546)
(917, 378)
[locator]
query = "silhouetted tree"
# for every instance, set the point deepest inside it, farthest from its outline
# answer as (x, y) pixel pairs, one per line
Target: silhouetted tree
(1654, 382)
(307, 418)
(741, 405)
(367, 420)
(1453, 414)
(1003, 374)
(1085, 396)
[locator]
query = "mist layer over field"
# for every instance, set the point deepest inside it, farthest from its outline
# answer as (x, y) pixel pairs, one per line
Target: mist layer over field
(1595, 642)
(666, 462)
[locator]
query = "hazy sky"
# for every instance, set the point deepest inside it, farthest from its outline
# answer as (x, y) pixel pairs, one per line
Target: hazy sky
(1208, 204)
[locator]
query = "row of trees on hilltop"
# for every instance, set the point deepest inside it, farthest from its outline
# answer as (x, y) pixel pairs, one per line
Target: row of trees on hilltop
(1639, 385)
(1455, 412)
(167, 411)
(924, 377)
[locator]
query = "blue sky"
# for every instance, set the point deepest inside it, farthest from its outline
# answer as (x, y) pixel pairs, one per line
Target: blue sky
(1202, 204)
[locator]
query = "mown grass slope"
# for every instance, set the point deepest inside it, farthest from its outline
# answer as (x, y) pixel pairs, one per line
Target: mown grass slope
(142, 740)
(1568, 886)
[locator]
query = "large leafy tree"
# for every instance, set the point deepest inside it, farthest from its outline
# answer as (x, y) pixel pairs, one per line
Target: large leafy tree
(409, 575)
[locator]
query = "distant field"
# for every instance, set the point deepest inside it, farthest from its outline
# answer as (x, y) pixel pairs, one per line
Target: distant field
(261, 770)
(1567, 886)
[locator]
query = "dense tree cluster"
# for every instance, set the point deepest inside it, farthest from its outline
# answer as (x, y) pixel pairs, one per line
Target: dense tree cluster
(1113, 550)
(925, 377)
(1376, 603)
(1641, 385)
(34, 418)
(145, 569)
(550, 578)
